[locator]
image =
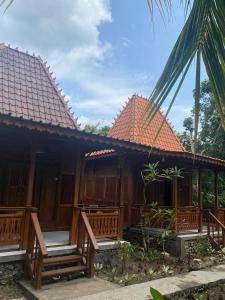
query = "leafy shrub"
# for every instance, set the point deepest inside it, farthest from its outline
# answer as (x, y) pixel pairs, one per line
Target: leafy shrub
(125, 251)
(203, 246)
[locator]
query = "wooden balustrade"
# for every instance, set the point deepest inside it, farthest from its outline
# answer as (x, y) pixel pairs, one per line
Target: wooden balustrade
(36, 251)
(220, 214)
(188, 218)
(12, 221)
(216, 231)
(158, 222)
(86, 243)
(105, 221)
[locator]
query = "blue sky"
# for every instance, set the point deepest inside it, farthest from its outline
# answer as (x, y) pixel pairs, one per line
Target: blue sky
(101, 51)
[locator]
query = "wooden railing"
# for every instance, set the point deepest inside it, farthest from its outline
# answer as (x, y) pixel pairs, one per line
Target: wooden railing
(104, 221)
(36, 251)
(216, 231)
(188, 219)
(12, 222)
(86, 243)
(158, 222)
(220, 214)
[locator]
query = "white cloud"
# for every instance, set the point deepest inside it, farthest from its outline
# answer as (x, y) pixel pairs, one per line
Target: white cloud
(177, 115)
(67, 34)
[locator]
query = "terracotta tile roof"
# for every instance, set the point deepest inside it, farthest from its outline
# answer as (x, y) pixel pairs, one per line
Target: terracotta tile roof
(128, 124)
(28, 91)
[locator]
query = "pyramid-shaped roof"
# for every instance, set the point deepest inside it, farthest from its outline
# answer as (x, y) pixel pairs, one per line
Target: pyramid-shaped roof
(128, 126)
(28, 91)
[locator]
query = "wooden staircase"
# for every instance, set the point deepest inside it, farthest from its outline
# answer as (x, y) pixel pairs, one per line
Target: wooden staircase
(39, 266)
(216, 231)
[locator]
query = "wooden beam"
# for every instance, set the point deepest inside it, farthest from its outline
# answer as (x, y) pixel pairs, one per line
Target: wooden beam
(199, 188)
(175, 201)
(76, 197)
(130, 191)
(29, 198)
(31, 174)
(77, 182)
(199, 197)
(121, 193)
(216, 201)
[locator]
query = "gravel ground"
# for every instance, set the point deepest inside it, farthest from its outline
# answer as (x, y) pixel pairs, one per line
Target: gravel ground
(12, 292)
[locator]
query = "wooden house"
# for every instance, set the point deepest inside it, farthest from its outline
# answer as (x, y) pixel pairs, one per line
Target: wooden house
(53, 176)
(108, 173)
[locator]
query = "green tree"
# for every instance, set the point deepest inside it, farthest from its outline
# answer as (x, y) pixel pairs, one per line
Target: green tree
(211, 141)
(211, 134)
(97, 129)
(203, 39)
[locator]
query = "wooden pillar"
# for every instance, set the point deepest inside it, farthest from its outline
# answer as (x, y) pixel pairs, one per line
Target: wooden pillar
(121, 195)
(82, 180)
(31, 175)
(175, 202)
(29, 198)
(130, 191)
(216, 201)
(75, 212)
(199, 197)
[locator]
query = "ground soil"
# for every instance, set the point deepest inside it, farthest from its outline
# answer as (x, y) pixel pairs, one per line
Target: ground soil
(142, 270)
(11, 292)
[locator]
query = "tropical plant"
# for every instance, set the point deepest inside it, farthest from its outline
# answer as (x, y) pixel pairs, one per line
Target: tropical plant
(98, 267)
(126, 279)
(150, 174)
(113, 274)
(151, 273)
(156, 295)
(167, 270)
(203, 246)
(125, 251)
(203, 38)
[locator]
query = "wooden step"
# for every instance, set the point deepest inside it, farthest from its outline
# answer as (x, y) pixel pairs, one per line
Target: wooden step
(58, 260)
(63, 271)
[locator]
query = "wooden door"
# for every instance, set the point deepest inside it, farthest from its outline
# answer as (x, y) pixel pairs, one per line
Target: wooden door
(16, 185)
(66, 200)
(47, 178)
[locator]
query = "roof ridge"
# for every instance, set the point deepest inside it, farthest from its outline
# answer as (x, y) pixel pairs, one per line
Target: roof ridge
(62, 99)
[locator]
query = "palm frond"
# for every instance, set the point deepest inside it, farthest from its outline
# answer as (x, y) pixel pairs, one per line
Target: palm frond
(8, 4)
(203, 35)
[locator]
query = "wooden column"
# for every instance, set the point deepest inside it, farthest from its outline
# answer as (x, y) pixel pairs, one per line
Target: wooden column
(75, 212)
(130, 191)
(82, 179)
(216, 201)
(175, 202)
(121, 195)
(29, 198)
(199, 197)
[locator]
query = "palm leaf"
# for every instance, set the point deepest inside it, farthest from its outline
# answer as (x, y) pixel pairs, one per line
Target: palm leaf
(7, 2)
(203, 35)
